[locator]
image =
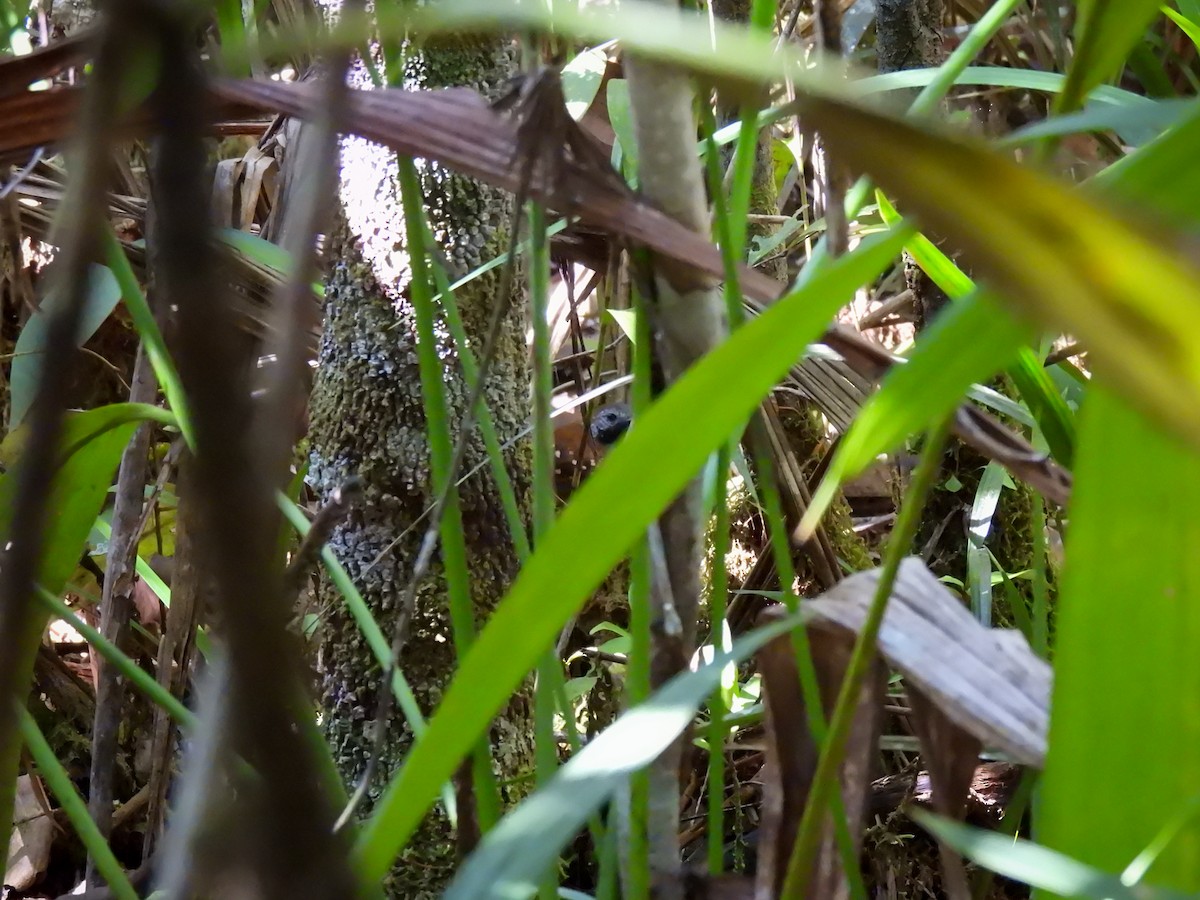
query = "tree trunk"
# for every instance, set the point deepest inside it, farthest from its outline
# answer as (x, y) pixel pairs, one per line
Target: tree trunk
(367, 419)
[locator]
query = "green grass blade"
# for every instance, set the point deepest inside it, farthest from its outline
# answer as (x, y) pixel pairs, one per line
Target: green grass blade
(1162, 176)
(452, 535)
(609, 513)
(149, 332)
(948, 357)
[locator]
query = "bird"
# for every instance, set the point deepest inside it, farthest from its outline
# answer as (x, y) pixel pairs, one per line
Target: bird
(577, 451)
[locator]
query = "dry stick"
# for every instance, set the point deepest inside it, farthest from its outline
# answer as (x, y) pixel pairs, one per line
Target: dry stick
(284, 841)
(82, 219)
(169, 463)
(429, 542)
(116, 606)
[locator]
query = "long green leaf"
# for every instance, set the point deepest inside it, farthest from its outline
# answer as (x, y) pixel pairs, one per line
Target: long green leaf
(1163, 175)
(1068, 260)
(636, 480)
(1035, 386)
(1127, 674)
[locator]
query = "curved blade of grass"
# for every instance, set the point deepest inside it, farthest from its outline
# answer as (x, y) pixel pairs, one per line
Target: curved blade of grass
(1064, 258)
(967, 342)
(607, 515)
(149, 332)
(979, 559)
(661, 32)
(1136, 121)
(1126, 662)
(516, 853)
(1105, 32)
(1186, 25)
(996, 76)
(1025, 861)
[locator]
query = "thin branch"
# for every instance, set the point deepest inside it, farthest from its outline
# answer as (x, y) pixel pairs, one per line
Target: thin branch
(116, 606)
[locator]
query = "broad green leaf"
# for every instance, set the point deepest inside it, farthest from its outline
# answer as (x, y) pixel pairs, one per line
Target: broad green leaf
(29, 354)
(606, 516)
(1030, 863)
(1127, 674)
(581, 79)
(1064, 258)
(515, 854)
(1105, 32)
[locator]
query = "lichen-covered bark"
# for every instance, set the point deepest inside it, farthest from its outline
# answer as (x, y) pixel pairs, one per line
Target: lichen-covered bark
(367, 419)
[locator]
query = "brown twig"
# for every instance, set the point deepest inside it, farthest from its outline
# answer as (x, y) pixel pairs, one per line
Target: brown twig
(116, 606)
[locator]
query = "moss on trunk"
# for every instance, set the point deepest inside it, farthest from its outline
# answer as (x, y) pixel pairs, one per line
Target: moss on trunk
(368, 419)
